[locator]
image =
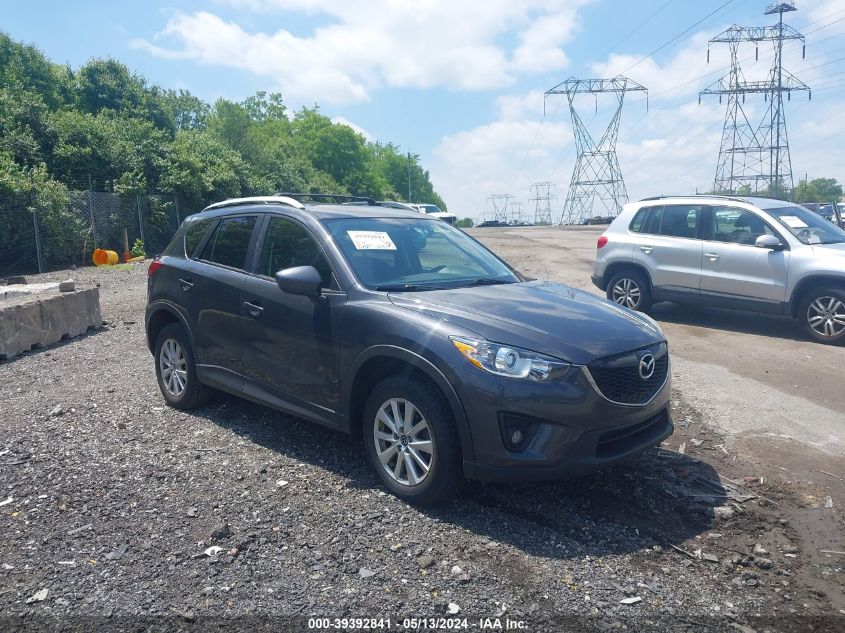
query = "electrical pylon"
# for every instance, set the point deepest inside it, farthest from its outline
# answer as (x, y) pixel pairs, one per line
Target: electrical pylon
(516, 213)
(754, 157)
(501, 206)
(597, 176)
(542, 195)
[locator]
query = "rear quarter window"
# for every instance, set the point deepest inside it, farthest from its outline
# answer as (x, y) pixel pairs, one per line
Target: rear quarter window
(637, 223)
(194, 233)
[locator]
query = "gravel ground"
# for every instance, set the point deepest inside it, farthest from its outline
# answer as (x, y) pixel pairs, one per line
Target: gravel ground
(113, 505)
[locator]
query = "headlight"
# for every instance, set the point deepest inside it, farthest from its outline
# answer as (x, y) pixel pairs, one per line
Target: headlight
(504, 360)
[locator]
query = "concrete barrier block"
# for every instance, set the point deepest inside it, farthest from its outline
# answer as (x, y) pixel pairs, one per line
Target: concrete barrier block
(34, 320)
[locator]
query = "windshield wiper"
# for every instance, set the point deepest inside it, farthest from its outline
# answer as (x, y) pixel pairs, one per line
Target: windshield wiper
(488, 281)
(407, 287)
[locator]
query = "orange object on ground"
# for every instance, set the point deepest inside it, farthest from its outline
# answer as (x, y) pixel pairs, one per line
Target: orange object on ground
(103, 258)
(126, 256)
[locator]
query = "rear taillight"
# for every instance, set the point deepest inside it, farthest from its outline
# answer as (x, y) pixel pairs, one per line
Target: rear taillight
(154, 266)
(602, 242)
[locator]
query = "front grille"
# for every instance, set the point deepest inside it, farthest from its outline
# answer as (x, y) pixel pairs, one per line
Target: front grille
(618, 377)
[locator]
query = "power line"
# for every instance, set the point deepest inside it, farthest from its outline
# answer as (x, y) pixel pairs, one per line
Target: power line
(637, 29)
(678, 36)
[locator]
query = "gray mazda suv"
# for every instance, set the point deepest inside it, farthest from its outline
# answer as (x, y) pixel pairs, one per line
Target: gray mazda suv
(405, 331)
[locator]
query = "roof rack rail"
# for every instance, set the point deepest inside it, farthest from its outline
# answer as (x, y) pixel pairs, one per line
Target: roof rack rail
(330, 196)
(698, 195)
(233, 202)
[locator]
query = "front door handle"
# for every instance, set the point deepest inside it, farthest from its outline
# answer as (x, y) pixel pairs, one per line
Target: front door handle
(253, 310)
(712, 256)
(187, 284)
(646, 249)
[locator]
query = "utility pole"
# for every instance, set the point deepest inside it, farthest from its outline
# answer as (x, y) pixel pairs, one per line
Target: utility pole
(756, 156)
(409, 176)
(597, 175)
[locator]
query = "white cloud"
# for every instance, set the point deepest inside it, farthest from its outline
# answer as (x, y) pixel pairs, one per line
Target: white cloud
(471, 165)
(368, 44)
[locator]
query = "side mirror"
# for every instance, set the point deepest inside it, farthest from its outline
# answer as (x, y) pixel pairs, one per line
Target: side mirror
(770, 242)
(300, 280)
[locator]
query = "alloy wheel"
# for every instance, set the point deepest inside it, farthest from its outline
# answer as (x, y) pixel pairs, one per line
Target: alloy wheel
(826, 315)
(403, 441)
(174, 367)
(627, 292)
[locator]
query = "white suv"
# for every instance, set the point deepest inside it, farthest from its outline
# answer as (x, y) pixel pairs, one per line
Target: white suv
(729, 252)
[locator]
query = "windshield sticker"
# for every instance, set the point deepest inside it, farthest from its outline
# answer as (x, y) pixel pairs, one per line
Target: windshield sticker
(814, 239)
(371, 241)
(793, 221)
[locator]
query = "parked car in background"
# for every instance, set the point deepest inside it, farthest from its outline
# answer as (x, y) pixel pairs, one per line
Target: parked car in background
(598, 219)
(743, 253)
(434, 211)
(446, 361)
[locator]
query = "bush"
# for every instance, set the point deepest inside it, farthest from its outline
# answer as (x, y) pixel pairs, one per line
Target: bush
(138, 248)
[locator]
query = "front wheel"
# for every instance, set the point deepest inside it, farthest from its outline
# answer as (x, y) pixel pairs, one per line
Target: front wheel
(822, 315)
(411, 440)
(630, 289)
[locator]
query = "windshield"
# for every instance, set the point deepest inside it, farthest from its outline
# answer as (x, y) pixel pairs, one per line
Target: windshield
(808, 227)
(411, 254)
(430, 208)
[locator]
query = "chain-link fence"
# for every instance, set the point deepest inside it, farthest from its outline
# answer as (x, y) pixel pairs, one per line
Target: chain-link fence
(44, 233)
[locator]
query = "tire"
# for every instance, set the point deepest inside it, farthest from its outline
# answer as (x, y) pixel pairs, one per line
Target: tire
(821, 315)
(444, 477)
(174, 349)
(631, 289)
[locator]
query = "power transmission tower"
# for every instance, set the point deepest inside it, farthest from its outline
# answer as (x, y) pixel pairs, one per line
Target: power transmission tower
(754, 158)
(542, 195)
(516, 213)
(500, 203)
(597, 176)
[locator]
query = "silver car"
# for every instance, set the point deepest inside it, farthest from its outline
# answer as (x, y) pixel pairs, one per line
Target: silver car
(742, 253)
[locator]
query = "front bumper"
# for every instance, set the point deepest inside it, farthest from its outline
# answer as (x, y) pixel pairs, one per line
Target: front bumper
(574, 429)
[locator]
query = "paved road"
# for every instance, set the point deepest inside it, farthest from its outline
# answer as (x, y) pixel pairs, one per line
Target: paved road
(751, 376)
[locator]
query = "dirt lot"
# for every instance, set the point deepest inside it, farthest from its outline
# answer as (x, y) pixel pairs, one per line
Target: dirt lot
(115, 499)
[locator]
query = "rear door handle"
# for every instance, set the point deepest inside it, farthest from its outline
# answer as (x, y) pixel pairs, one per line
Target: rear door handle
(187, 284)
(646, 249)
(253, 310)
(712, 256)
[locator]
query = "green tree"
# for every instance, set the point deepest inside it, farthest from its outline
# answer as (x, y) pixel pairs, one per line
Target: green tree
(465, 223)
(818, 190)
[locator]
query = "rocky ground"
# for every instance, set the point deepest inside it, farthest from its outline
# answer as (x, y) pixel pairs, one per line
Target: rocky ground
(114, 506)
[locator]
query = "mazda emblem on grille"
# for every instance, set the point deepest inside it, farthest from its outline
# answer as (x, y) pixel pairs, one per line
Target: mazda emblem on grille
(646, 366)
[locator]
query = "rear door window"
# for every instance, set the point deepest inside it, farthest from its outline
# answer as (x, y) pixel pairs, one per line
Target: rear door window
(230, 242)
(652, 222)
(680, 220)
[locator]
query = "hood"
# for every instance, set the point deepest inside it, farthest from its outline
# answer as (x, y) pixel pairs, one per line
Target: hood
(829, 250)
(552, 319)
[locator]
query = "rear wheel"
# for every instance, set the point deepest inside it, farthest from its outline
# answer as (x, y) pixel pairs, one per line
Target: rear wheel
(822, 315)
(411, 440)
(629, 288)
(176, 370)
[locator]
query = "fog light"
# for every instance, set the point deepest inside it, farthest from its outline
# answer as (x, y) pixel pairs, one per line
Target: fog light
(517, 431)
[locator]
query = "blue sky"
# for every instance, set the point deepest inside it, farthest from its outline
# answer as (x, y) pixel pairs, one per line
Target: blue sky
(461, 82)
